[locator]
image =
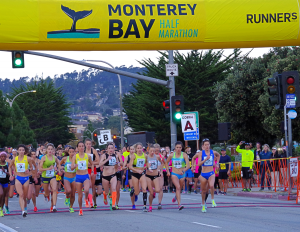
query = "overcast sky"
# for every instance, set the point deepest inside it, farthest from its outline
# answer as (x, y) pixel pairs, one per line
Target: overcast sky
(40, 66)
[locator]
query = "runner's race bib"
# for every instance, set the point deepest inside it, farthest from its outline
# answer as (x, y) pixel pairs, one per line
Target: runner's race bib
(177, 164)
(140, 163)
(112, 161)
(81, 165)
(69, 168)
(208, 162)
(20, 167)
(50, 173)
(98, 176)
(153, 164)
(2, 174)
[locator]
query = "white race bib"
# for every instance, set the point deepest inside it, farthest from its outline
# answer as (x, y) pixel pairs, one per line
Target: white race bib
(20, 167)
(208, 162)
(177, 164)
(98, 176)
(81, 165)
(50, 173)
(91, 155)
(140, 163)
(112, 161)
(69, 168)
(2, 174)
(153, 164)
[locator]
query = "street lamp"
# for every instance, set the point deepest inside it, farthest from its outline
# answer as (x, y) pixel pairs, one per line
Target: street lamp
(120, 91)
(92, 132)
(12, 101)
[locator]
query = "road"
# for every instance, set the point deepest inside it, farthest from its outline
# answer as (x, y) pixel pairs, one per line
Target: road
(232, 214)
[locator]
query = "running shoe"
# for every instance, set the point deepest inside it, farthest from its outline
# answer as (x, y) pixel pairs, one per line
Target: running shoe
(6, 210)
(133, 207)
(224, 193)
(145, 209)
(110, 203)
(71, 210)
(28, 201)
(180, 207)
(213, 203)
(113, 208)
(95, 206)
(67, 202)
(1, 213)
(174, 199)
(195, 191)
(80, 212)
(248, 190)
(183, 192)
(215, 192)
(87, 203)
(51, 209)
(35, 209)
(261, 189)
(159, 206)
(105, 201)
(117, 207)
(24, 214)
(47, 199)
(150, 209)
(244, 190)
(25, 209)
(54, 209)
(90, 198)
(129, 189)
(136, 198)
(203, 209)
(220, 192)
(189, 192)
(131, 192)
(123, 189)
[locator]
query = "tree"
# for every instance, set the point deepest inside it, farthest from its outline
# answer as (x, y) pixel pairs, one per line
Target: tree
(198, 72)
(14, 127)
(46, 110)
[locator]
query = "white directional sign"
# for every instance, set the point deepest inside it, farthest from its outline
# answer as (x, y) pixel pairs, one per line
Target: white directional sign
(171, 70)
(290, 101)
(104, 137)
(188, 123)
(294, 167)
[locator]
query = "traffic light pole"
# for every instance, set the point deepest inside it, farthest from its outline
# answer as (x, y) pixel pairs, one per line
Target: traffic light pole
(289, 153)
(173, 126)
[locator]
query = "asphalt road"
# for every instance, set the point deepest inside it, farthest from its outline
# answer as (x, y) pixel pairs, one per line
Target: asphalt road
(232, 214)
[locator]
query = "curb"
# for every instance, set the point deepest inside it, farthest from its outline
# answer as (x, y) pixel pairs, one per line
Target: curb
(263, 195)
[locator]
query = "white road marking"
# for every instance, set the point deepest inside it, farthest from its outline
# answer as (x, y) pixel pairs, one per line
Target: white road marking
(191, 199)
(6, 228)
(59, 198)
(132, 211)
(198, 223)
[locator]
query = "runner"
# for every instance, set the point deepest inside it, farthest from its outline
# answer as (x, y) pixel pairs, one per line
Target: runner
(189, 174)
(22, 163)
(180, 164)
(207, 177)
(153, 175)
(126, 167)
(138, 165)
(160, 175)
(109, 160)
(48, 167)
(69, 178)
(95, 158)
(98, 184)
(118, 168)
(81, 161)
(4, 180)
(196, 170)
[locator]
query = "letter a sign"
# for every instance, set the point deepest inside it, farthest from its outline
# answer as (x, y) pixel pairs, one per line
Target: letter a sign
(188, 123)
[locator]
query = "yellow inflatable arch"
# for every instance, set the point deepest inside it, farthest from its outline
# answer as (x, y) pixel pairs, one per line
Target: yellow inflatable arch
(97, 25)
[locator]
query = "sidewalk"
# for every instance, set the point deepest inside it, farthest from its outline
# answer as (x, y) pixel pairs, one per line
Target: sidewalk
(266, 194)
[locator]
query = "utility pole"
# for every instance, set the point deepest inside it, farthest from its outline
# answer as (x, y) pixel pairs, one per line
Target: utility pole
(173, 126)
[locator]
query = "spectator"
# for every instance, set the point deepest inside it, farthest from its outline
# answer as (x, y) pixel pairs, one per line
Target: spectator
(216, 185)
(225, 166)
(275, 168)
(257, 152)
(282, 166)
(165, 186)
(247, 164)
(265, 155)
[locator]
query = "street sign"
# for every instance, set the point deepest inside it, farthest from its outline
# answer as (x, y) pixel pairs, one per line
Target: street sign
(292, 114)
(190, 136)
(188, 123)
(290, 101)
(197, 116)
(171, 70)
(104, 137)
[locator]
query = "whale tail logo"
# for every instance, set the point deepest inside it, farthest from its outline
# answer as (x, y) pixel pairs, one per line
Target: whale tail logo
(75, 16)
(74, 33)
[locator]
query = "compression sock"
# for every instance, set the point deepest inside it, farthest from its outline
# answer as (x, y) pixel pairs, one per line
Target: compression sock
(114, 198)
(145, 198)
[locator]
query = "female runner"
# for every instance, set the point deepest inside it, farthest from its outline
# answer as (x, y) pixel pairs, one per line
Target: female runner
(69, 178)
(138, 165)
(180, 163)
(95, 157)
(48, 167)
(4, 180)
(152, 174)
(207, 177)
(22, 164)
(160, 175)
(126, 167)
(81, 161)
(108, 161)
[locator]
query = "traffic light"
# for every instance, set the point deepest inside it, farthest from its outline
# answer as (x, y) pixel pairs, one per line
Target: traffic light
(166, 105)
(18, 59)
(290, 89)
(177, 108)
(275, 91)
(114, 136)
(96, 136)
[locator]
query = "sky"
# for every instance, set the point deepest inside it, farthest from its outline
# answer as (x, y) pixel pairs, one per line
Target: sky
(43, 67)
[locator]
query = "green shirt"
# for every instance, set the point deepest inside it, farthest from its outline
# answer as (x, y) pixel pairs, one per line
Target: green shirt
(247, 157)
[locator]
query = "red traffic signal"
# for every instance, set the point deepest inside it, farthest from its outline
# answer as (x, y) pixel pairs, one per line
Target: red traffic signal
(166, 104)
(114, 136)
(290, 80)
(95, 135)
